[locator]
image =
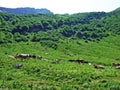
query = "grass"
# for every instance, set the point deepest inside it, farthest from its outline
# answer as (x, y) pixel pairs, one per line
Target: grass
(43, 74)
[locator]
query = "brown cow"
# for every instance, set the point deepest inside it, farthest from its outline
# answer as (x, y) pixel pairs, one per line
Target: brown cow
(81, 61)
(98, 66)
(25, 56)
(22, 56)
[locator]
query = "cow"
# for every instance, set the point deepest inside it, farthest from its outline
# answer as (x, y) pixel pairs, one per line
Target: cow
(117, 67)
(81, 61)
(22, 56)
(98, 66)
(26, 56)
(115, 64)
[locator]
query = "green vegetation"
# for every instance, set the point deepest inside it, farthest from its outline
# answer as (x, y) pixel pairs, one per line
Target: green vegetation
(93, 37)
(88, 26)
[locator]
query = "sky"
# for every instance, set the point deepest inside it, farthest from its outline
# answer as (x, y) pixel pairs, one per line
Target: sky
(65, 6)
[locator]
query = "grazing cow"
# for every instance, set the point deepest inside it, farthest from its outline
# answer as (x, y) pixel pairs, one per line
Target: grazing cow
(115, 64)
(22, 56)
(78, 61)
(25, 56)
(117, 67)
(81, 61)
(98, 66)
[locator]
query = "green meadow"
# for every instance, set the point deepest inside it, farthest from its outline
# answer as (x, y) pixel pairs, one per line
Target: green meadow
(46, 75)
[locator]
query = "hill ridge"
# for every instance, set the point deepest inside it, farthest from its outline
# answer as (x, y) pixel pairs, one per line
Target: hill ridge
(25, 10)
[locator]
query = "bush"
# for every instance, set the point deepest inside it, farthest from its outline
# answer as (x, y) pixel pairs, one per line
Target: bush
(49, 43)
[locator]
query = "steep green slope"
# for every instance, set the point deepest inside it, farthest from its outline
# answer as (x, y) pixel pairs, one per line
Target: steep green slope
(23, 26)
(93, 37)
(87, 26)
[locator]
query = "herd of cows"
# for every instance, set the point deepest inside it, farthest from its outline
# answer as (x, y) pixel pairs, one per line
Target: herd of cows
(26, 56)
(116, 65)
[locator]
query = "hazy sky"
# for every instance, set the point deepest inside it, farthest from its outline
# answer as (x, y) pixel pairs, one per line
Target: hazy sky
(65, 6)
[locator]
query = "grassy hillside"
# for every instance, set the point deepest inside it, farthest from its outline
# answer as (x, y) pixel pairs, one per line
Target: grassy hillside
(46, 74)
(93, 37)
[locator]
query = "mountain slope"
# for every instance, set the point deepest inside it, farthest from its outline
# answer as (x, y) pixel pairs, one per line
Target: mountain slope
(59, 39)
(50, 27)
(26, 10)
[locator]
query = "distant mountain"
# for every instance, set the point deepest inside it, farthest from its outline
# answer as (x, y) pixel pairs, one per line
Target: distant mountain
(26, 10)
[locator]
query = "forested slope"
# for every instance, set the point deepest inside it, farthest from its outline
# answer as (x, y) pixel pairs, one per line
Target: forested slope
(87, 26)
